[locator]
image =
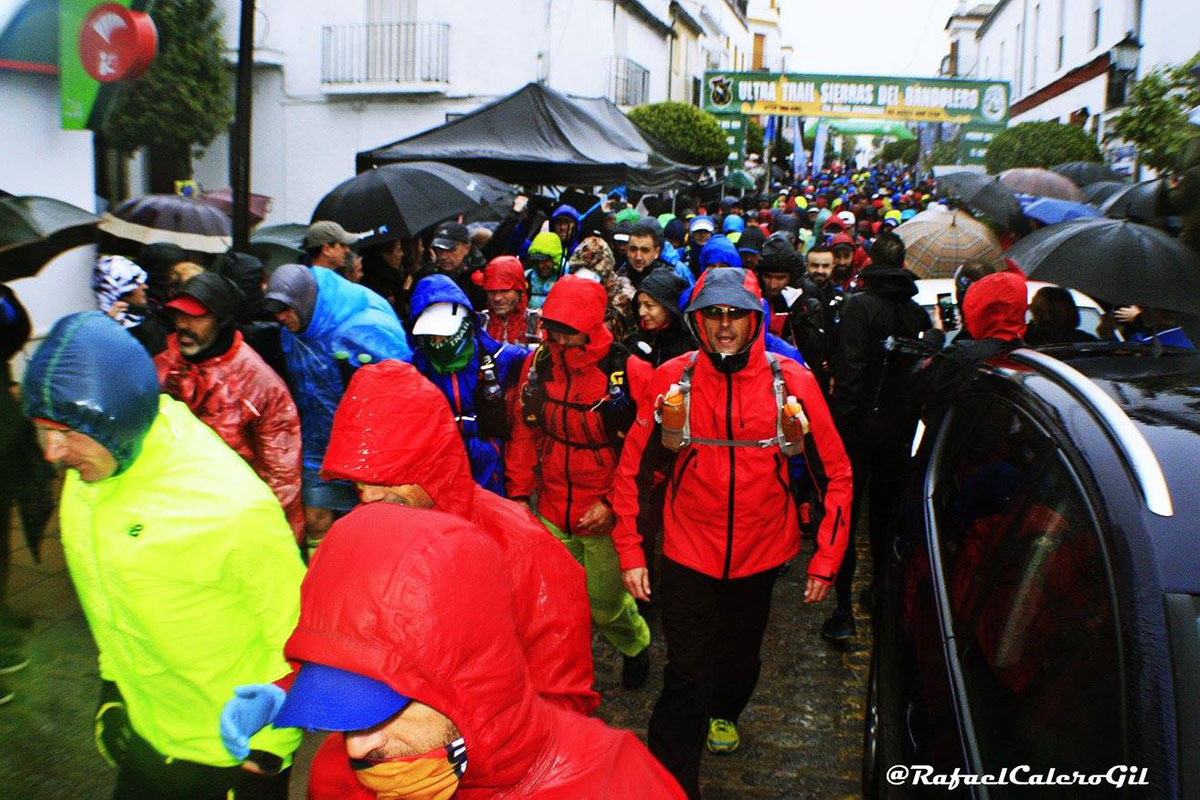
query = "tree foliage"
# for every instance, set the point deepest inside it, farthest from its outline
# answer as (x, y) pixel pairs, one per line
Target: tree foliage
(1040, 144)
(944, 152)
(849, 147)
(693, 134)
(1155, 115)
(904, 151)
(183, 101)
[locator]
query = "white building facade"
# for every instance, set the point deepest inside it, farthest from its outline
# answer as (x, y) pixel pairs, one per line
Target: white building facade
(1061, 56)
(332, 79)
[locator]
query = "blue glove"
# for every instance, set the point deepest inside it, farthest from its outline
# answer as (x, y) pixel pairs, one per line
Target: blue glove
(249, 711)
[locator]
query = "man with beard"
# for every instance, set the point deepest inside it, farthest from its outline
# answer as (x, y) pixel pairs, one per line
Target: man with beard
(455, 257)
(208, 366)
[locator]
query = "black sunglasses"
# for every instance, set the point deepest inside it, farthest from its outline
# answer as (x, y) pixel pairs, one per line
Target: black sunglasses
(718, 312)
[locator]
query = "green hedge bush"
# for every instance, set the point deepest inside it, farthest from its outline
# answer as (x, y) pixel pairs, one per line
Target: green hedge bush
(694, 135)
(1040, 144)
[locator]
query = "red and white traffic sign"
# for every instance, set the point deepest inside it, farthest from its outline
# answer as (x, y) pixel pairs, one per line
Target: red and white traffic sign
(116, 44)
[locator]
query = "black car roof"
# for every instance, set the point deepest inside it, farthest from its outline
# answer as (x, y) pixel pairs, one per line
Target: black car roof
(1160, 393)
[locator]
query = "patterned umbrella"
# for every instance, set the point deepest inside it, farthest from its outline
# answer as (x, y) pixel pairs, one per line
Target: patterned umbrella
(1041, 182)
(1081, 173)
(34, 230)
(959, 218)
(191, 224)
(935, 249)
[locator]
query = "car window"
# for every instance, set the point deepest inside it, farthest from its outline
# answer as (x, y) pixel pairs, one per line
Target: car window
(1028, 595)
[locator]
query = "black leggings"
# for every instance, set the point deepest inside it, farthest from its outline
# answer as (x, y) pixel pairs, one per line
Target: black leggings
(146, 775)
(714, 630)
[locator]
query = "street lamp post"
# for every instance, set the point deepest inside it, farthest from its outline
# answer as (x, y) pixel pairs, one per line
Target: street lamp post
(239, 141)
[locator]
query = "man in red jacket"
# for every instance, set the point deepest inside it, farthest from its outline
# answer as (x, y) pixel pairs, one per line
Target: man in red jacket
(209, 367)
(507, 318)
(407, 645)
(393, 436)
(577, 395)
(729, 518)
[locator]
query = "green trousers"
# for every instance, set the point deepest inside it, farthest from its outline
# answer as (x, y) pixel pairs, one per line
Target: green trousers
(614, 610)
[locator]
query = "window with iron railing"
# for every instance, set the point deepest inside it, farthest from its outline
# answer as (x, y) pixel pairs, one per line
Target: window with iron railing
(381, 53)
(628, 82)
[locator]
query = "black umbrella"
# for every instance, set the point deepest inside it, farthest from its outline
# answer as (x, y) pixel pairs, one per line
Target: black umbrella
(1138, 202)
(276, 245)
(1114, 260)
(405, 199)
(35, 229)
(1081, 173)
(1096, 193)
(189, 223)
(984, 193)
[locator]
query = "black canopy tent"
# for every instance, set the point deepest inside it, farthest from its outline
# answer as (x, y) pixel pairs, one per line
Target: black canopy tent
(536, 136)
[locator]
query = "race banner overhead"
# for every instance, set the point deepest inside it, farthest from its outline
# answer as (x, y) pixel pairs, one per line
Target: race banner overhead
(857, 97)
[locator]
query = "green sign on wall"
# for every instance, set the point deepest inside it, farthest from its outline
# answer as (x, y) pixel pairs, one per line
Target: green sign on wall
(857, 97)
(734, 126)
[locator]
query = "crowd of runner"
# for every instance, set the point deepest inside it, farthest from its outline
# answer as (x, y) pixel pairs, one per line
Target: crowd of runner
(387, 493)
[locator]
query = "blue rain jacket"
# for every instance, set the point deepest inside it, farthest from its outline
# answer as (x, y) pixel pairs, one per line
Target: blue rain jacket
(346, 318)
(486, 455)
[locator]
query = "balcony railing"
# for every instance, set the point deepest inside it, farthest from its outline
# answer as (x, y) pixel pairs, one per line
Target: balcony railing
(385, 54)
(628, 83)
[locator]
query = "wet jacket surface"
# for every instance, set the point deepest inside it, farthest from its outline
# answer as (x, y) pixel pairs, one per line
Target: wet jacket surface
(184, 564)
(885, 308)
(346, 318)
(575, 454)
(459, 388)
(420, 600)
(385, 434)
(248, 405)
(729, 512)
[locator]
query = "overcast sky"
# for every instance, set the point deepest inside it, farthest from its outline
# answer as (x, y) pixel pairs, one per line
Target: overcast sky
(867, 37)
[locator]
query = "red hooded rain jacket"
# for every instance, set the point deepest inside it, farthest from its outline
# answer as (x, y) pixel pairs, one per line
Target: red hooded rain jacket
(393, 428)
(729, 512)
(576, 456)
(420, 600)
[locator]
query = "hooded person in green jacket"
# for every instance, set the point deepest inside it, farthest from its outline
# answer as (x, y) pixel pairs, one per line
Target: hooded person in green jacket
(185, 566)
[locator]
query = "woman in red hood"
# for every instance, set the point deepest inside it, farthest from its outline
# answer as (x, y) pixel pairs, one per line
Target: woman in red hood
(393, 429)
(416, 604)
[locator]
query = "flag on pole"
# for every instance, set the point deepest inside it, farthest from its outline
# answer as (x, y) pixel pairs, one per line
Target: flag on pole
(822, 138)
(799, 157)
(768, 133)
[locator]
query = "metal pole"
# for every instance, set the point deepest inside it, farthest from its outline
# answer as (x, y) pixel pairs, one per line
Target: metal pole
(239, 140)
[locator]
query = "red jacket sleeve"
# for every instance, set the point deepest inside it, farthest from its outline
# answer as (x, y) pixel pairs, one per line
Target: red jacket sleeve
(641, 465)
(276, 433)
(558, 635)
(829, 467)
(521, 455)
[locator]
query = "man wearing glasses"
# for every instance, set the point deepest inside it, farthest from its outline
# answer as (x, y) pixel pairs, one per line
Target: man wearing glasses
(729, 520)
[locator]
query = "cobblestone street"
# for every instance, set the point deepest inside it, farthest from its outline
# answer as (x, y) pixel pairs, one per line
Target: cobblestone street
(801, 735)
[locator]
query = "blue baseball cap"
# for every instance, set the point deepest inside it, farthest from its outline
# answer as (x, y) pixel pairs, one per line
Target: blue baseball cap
(324, 698)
